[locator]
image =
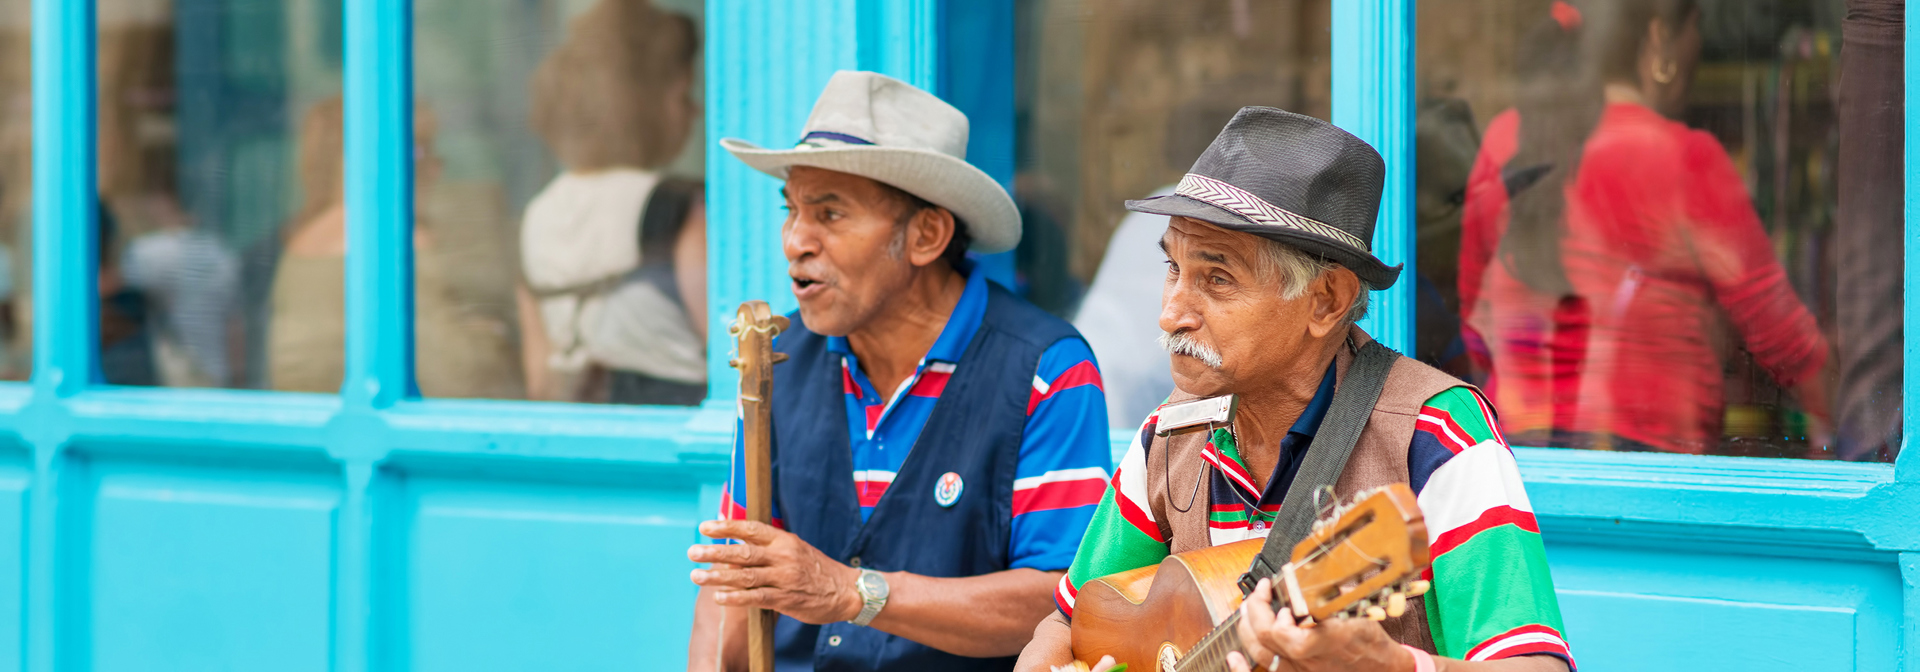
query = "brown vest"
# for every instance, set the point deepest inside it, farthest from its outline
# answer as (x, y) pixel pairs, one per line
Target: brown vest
(1378, 459)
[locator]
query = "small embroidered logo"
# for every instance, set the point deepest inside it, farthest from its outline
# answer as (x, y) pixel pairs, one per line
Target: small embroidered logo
(947, 491)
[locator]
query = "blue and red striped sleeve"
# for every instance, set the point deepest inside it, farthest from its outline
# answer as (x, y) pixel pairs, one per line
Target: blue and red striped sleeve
(1065, 458)
(733, 500)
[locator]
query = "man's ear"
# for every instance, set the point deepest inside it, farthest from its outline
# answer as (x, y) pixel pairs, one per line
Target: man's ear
(1332, 294)
(927, 235)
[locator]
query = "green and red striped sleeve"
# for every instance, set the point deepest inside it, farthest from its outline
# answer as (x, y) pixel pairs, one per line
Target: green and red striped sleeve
(1492, 593)
(1124, 533)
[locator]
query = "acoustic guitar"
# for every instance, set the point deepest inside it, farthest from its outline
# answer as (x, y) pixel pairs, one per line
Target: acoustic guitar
(1362, 560)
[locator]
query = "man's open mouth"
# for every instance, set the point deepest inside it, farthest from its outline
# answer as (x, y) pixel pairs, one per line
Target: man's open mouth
(802, 283)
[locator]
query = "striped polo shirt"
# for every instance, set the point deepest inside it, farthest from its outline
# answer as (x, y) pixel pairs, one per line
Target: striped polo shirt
(1065, 456)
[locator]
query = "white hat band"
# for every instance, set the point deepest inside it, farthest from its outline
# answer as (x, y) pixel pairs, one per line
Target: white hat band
(1240, 202)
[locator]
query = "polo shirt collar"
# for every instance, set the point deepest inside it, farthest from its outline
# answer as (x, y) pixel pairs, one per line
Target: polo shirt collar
(961, 325)
(1309, 421)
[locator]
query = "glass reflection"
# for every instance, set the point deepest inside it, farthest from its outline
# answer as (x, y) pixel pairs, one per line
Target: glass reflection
(1647, 244)
(196, 177)
(1115, 101)
(570, 226)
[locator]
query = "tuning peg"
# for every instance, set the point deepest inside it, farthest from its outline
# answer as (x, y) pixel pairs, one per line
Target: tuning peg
(1396, 604)
(1418, 588)
(1376, 614)
(779, 357)
(733, 328)
(735, 363)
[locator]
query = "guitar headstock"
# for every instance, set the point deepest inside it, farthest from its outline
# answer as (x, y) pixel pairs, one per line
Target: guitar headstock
(753, 329)
(1364, 559)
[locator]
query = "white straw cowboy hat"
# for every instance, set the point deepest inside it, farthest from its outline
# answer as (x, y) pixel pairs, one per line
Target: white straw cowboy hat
(883, 129)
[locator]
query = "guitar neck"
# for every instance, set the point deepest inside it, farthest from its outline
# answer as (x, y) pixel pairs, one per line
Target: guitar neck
(1210, 653)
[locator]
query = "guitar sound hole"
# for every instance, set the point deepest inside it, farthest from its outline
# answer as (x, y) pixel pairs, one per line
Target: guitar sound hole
(1169, 657)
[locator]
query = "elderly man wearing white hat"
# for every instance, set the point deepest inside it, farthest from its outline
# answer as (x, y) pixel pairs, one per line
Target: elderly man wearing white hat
(939, 445)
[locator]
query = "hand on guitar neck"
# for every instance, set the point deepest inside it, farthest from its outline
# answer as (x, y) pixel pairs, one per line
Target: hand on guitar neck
(1334, 644)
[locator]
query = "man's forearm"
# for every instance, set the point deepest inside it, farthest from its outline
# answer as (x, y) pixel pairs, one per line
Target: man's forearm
(976, 616)
(1052, 645)
(704, 645)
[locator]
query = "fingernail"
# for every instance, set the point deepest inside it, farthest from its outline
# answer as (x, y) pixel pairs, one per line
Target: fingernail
(699, 575)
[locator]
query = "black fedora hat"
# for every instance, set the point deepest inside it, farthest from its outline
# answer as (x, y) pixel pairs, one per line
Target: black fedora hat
(1292, 178)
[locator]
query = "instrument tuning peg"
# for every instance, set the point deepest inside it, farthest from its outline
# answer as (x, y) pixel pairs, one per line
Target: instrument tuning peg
(1376, 614)
(779, 357)
(1419, 588)
(735, 362)
(781, 322)
(1396, 604)
(733, 328)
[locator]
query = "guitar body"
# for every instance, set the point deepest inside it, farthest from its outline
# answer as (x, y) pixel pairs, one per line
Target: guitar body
(1151, 616)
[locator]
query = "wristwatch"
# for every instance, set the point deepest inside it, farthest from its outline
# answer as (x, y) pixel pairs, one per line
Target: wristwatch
(873, 591)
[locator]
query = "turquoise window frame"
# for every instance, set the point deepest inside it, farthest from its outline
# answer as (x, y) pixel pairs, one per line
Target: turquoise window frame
(765, 62)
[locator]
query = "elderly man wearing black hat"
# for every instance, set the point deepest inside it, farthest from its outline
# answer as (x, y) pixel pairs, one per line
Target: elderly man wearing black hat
(1268, 264)
(938, 444)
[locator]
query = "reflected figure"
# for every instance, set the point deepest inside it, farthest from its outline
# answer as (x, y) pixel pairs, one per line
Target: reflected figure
(193, 283)
(456, 354)
(1869, 223)
(1445, 144)
(126, 341)
(1607, 249)
(1120, 318)
(613, 252)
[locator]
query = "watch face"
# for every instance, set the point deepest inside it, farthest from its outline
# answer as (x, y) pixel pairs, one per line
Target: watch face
(873, 586)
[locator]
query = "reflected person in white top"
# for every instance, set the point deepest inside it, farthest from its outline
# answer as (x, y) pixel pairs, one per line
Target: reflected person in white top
(612, 309)
(1120, 318)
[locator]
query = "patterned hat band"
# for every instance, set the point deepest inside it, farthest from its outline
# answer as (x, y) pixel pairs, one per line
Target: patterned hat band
(1240, 202)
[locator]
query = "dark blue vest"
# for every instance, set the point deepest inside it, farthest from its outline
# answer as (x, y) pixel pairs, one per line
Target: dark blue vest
(974, 431)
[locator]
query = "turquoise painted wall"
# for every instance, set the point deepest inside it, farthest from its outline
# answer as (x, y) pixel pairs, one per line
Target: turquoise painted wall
(374, 530)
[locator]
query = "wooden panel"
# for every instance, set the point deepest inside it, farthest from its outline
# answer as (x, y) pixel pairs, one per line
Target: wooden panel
(1644, 632)
(15, 476)
(513, 576)
(1648, 608)
(203, 568)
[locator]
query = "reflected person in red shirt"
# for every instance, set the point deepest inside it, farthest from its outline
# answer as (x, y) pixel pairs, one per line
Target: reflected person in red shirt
(1599, 298)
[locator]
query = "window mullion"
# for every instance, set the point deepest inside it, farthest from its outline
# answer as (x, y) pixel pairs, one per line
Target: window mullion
(66, 329)
(1907, 465)
(1373, 99)
(379, 182)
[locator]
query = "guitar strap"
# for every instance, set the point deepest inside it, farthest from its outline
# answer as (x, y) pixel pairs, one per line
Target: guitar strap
(1352, 406)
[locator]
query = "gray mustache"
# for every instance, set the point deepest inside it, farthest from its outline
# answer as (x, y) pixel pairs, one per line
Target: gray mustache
(1180, 343)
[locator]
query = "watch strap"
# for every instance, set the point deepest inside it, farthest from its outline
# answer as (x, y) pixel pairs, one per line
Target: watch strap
(872, 605)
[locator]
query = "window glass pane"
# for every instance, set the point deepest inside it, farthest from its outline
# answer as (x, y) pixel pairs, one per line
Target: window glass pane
(1115, 101)
(1666, 225)
(16, 189)
(211, 247)
(560, 245)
